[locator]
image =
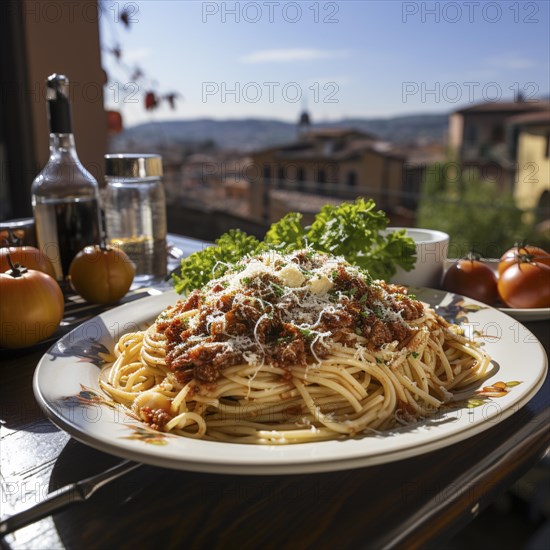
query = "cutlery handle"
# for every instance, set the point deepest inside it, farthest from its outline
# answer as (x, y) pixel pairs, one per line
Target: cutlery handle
(53, 503)
(75, 492)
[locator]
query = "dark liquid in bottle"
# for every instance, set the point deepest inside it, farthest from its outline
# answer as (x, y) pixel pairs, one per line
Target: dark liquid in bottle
(64, 228)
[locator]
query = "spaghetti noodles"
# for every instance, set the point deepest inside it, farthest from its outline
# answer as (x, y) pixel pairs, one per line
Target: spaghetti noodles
(288, 349)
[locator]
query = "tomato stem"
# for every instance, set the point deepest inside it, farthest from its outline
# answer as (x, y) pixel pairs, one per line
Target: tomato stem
(17, 270)
(473, 256)
(526, 258)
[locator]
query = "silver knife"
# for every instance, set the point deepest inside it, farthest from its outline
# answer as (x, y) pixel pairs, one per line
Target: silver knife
(75, 492)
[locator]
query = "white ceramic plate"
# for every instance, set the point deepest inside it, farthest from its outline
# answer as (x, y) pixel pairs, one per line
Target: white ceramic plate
(66, 387)
(533, 314)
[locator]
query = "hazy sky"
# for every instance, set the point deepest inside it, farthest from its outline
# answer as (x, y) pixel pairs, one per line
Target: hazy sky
(359, 58)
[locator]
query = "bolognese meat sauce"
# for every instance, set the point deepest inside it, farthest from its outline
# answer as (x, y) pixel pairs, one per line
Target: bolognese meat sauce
(283, 311)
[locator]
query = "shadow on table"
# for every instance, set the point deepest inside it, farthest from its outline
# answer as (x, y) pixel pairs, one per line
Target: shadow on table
(152, 506)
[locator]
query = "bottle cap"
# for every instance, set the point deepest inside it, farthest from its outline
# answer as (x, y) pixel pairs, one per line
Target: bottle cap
(133, 165)
(57, 85)
(59, 107)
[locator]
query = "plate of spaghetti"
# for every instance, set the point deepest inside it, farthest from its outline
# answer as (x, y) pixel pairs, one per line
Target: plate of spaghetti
(288, 363)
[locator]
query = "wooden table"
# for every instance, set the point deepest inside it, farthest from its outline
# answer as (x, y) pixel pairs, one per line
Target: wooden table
(419, 502)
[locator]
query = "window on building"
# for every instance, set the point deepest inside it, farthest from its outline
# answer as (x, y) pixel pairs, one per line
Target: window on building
(267, 173)
(542, 212)
(328, 148)
(321, 181)
(470, 136)
(497, 134)
(300, 178)
(513, 142)
(352, 179)
(333, 170)
(281, 176)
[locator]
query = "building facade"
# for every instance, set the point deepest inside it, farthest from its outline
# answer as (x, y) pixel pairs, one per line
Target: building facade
(531, 146)
(480, 137)
(478, 132)
(335, 163)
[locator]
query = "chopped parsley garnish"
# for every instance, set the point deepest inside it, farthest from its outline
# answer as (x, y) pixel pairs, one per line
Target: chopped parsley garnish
(379, 312)
(306, 333)
(278, 290)
(352, 291)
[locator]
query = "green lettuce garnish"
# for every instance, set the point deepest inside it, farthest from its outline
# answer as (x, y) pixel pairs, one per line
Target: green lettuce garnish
(352, 230)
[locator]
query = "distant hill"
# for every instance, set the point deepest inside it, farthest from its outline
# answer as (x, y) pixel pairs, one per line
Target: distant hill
(402, 129)
(250, 134)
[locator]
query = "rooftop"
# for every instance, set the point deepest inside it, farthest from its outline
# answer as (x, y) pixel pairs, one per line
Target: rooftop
(336, 144)
(331, 133)
(531, 119)
(506, 107)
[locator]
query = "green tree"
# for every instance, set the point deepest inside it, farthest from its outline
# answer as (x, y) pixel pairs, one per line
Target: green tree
(474, 212)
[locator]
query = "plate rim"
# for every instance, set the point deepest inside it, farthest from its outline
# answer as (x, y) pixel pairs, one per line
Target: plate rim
(527, 314)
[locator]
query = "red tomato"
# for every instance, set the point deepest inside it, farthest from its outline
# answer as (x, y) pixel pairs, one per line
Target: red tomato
(522, 253)
(101, 274)
(525, 285)
(472, 278)
(31, 307)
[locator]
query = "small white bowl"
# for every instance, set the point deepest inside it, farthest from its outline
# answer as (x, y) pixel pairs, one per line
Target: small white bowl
(431, 253)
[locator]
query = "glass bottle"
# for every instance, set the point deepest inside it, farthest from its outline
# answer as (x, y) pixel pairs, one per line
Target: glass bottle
(135, 212)
(65, 196)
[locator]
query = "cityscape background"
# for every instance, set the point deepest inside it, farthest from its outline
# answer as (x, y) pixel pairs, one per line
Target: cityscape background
(261, 108)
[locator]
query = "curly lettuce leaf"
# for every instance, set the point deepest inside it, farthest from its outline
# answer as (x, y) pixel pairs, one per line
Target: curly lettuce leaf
(212, 262)
(385, 253)
(355, 231)
(348, 229)
(287, 234)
